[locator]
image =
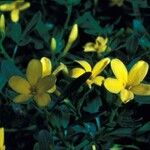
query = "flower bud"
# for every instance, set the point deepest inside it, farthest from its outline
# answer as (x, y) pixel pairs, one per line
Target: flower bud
(73, 34)
(2, 25)
(53, 44)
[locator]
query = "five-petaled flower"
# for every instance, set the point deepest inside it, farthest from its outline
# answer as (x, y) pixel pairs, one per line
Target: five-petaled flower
(35, 86)
(95, 78)
(128, 83)
(2, 146)
(15, 8)
(99, 46)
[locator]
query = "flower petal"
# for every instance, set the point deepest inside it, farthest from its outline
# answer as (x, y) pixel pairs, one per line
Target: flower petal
(85, 65)
(52, 90)
(24, 6)
(42, 100)
(98, 80)
(101, 41)
(76, 72)
(141, 89)
(46, 83)
(113, 85)
(100, 66)
(46, 66)
(138, 73)
(15, 15)
(34, 71)
(1, 137)
(89, 47)
(119, 70)
(22, 98)
(126, 95)
(19, 84)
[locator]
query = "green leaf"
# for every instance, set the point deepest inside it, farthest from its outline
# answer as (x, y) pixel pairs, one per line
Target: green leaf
(2, 81)
(122, 132)
(32, 24)
(15, 32)
(142, 99)
(93, 105)
(132, 44)
(44, 139)
(145, 128)
(9, 69)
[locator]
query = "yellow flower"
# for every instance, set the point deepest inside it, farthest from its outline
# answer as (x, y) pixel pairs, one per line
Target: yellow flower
(128, 83)
(2, 24)
(2, 146)
(118, 3)
(95, 78)
(35, 86)
(99, 46)
(15, 8)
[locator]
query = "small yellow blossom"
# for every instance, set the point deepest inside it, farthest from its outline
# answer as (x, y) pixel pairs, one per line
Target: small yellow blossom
(99, 46)
(2, 25)
(2, 146)
(95, 78)
(15, 8)
(128, 83)
(35, 86)
(118, 3)
(72, 38)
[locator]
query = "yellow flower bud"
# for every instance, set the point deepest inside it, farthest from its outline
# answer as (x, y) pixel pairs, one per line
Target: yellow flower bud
(72, 37)
(53, 44)
(2, 24)
(73, 34)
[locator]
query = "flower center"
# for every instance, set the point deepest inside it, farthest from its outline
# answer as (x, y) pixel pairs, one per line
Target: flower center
(128, 87)
(33, 90)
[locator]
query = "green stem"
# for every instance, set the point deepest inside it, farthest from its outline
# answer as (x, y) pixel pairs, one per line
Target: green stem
(4, 52)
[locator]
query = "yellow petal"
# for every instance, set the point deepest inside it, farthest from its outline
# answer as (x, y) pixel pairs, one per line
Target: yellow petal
(98, 80)
(24, 6)
(85, 65)
(126, 95)
(89, 83)
(113, 85)
(19, 84)
(46, 83)
(34, 71)
(46, 66)
(119, 70)
(22, 98)
(15, 15)
(141, 89)
(42, 100)
(101, 49)
(100, 66)
(62, 67)
(76, 72)
(89, 47)
(52, 90)
(1, 137)
(101, 40)
(138, 73)
(7, 7)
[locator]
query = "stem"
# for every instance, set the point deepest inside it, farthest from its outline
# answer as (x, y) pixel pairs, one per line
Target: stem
(4, 52)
